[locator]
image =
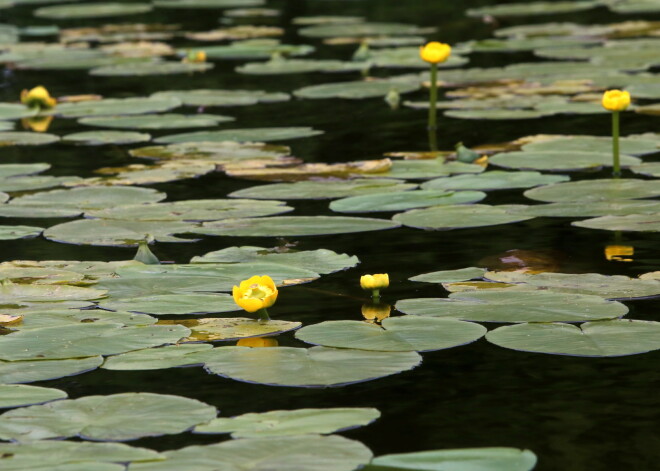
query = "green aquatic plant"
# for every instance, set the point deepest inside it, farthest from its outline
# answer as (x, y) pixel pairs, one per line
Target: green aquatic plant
(615, 101)
(434, 53)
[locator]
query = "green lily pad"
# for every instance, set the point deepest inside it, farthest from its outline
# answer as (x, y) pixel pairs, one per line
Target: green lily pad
(279, 423)
(460, 216)
(207, 3)
(19, 170)
(533, 8)
(634, 6)
(192, 210)
(140, 174)
(650, 169)
(450, 276)
(242, 135)
(358, 90)
(157, 121)
(284, 226)
(38, 274)
(117, 232)
(396, 334)
(493, 180)
(61, 455)
(632, 145)
(91, 10)
(631, 222)
(467, 459)
(306, 367)
(353, 29)
(6, 125)
(116, 417)
(174, 304)
(53, 317)
(15, 111)
(72, 59)
(592, 208)
(400, 201)
(170, 356)
(13, 293)
(595, 190)
(591, 339)
(528, 43)
(321, 261)
(19, 232)
(85, 339)
(222, 97)
(28, 183)
(558, 161)
(649, 91)
(425, 169)
(495, 305)
(408, 57)
(41, 370)
(296, 453)
(608, 287)
(494, 113)
(298, 66)
(98, 138)
(20, 138)
(251, 49)
(231, 328)
(116, 106)
(140, 69)
(16, 395)
(322, 189)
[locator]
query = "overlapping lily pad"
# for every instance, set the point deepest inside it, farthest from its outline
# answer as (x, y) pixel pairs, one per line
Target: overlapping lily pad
(15, 395)
(20, 138)
(41, 370)
(91, 10)
(307, 367)
(231, 328)
(19, 232)
(242, 135)
(279, 423)
(297, 66)
(220, 153)
(116, 106)
(170, 356)
(631, 222)
(143, 68)
(460, 216)
(561, 161)
(495, 305)
(591, 339)
(533, 8)
(596, 190)
(15, 293)
(322, 189)
(358, 90)
(15, 111)
(424, 169)
(401, 201)
(493, 180)
(157, 121)
(98, 138)
(115, 418)
(354, 29)
(174, 304)
(53, 317)
(450, 276)
(592, 208)
(219, 97)
(631, 145)
(250, 49)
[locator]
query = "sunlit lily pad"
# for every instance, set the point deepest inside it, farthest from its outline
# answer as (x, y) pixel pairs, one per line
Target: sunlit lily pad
(192, 210)
(468, 459)
(631, 222)
(13, 293)
(236, 32)
(650, 169)
(157, 121)
(360, 29)
(6, 125)
(242, 135)
(19, 232)
(495, 114)
(408, 57)
(37, 182)
(296, 453)
(424, 169)
(116, 417)
(396, 334)
(92, 10)
(280, 423)
(38, 275)
(322, 189)
(216, 152)
(53, 317)
(592, 208)
(142, 68)
(174, 304)
(460, 216)
(558, 161)
(295, 171)
(449, 276)
(298, 66)
(117, 232)
(170, 356)
(306, 367)
(14, 111)
(493, 180)
(231, 328)
(321, 261)
(357, 90)
(633, 145)
(19, 138)
(495, 305)
(400, 201)
(16, 395)
(41, 370)
(116, 106)
(141, 174)
(218, 97)
(98, 138)
(207, 3)
(250, 49)
(532, 8)
(283, 226)
(592, 339)
(609, 287)
(596, 190)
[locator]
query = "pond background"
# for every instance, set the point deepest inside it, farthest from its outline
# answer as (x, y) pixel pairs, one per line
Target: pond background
(574, 413)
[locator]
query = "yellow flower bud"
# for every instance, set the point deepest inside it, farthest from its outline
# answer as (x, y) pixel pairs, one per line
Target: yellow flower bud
(435, 52)
(253, 294)
(616, 100)
(377, 281)
(38, 97)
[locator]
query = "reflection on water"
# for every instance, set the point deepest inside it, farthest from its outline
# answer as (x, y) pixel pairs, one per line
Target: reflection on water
(258, 342)
(375, 312)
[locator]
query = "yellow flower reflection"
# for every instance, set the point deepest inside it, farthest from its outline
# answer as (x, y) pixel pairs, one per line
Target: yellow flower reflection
(256, 293)
(38, 97)
(37, 123)
(435, 52)
(619, 253)
(376, 312)
(258, 342)
(615, 100)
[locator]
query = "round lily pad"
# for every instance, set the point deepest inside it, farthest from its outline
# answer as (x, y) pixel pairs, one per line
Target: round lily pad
(283, 226)
(116, 417)
(596, 190)
(19, 232)
(116, 106)
(297, 66)
(591, 339)
(495, 305)
(631, 222)
(460, 216)
(558, 161)
(306, 367)
(496, 114)
(357, 90)
(231, 328)
(169, 356)
(242, 135)
(12, 293)
(322, 189)
(353, 29)
(20, 138)
(450, 276)
(486, 459)
(650, 169)
(400, 201)
(425, 169)
(396, 334)
(637, 145)
(532, 8)
(98, 138)
(16, 395)
(252, 49)
(37, 182)
(91, 10)
(157, 121)
(41, 370)
(280, 423)
(493, 180)
(140, 69)
(592, 208)
(53, 317)
(219, 97)
(174, 304)
(14, 111)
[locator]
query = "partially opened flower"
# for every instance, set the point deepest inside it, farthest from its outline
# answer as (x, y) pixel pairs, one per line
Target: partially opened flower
(255, 293)
(377, 281)
(38, 97)
(435, 52)
(615, 100)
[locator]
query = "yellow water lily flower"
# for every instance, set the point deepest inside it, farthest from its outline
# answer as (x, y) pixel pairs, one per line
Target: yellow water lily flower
(255, 293)
(435, 52)
(377, 281)
(38, 97)
(258, 342)
(615, 100)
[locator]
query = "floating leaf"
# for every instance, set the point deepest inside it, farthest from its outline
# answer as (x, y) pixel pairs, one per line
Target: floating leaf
(494, 305)
(13, 293)
(306, 367)
(19, 232)
(357, 90)
(217, 152)
(396, 334)
(236, 32)
(41, 370)
(592, 208)
(16, 184)
(494, 113)
(274, 171)
(632, 145)
(352, 29)
(250, 49)
(493, 180)
(140, 69)
(650, 169)
(139, 174)
(207, 3)
(14, 111)
(460, 216)
(219, 97)
(242, 135)
(91, 10)
(174, 304)
(280, 423)
(558, 161)
(591, 339)
(231, 328)
(631, 222)
(16, 395)
(449, 276)
(283, 226)
(98, 138)
(424, 169)
(322, 189)
(54, 317)
(297, 66)
(532, 8)
(116, 417)
(157, 121)
(116, 106)
(170, 356)
(400, 201)
(18, 138)
(596, 190)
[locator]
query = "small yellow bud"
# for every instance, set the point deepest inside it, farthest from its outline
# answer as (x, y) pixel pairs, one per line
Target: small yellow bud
(377, 281)
(435, 52)
(616, 100)
(38, 97)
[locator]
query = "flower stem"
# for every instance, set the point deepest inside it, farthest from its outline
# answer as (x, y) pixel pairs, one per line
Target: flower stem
(616, 171)
(263, 314)
(433, 99)
(375, 295)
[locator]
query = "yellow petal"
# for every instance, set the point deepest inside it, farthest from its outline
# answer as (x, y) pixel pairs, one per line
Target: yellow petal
(250, 304)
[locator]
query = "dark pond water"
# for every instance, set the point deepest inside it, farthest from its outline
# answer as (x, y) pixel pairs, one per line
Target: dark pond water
(574, 413)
